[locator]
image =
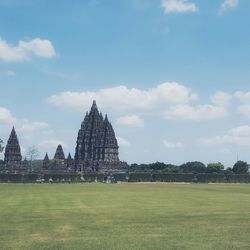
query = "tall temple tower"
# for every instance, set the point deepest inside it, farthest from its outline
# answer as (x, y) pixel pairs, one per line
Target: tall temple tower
(12, 155)
(97, 147)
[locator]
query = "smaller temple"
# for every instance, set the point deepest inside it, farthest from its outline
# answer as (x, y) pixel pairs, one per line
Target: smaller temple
(59, 158)
(12, 155)
(70, 163)
(46, 162)
(59, 155)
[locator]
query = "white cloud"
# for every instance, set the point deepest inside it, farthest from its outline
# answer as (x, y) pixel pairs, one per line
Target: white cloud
(199, 113)
(52, 144)
(227, 5)
(22, 125)
(178, 6)
(26, 126)
(168, 144)
(221, 98)
(25, 50)
(245, 110)
(6, 117)
(123, 142)
(244, 98)
(131, 120)
(227, 139)
(121, 98)
(170, 100)
(239, 136)
(41, 48)
(240, 131)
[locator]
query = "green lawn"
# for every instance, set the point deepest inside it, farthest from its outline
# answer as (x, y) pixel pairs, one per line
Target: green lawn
(125, 216)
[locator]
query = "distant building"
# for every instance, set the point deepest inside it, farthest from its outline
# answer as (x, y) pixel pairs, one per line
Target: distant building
(12, 155)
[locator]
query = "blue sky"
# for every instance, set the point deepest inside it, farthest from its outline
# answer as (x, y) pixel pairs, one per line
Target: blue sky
(173, 75)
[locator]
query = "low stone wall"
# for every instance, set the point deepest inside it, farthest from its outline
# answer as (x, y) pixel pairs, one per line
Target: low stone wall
(132, 177)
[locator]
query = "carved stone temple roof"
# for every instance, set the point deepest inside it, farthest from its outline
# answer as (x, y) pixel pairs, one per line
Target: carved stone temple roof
(46, 158)
(59, 155)
(96, 139)
(12, 153)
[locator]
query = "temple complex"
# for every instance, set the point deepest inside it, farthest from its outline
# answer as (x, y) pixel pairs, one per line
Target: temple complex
(96, 150)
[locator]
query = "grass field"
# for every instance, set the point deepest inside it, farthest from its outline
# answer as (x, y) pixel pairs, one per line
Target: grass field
(126, 216)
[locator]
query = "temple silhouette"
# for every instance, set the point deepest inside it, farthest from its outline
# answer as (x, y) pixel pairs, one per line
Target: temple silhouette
(96, 151)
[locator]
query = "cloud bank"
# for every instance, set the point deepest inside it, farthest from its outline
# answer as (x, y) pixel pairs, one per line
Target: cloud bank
(122, 142)
(239, 136)
(25, 50)
(172, 145)
(22, 125)
(169, 100)
(227, 5)
(131, 120)
(178, 6)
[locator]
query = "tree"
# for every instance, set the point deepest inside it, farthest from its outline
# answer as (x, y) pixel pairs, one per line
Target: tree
(157, 166)
(170, 168)
(229, 171)
(1, 146)
(193, 167)
(31, 154)
(240, 167)
(215, 167)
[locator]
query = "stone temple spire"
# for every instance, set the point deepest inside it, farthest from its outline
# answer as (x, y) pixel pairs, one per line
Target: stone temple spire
(70, 162)
(87, 135)
(46, 162)
(96, 141)
(59, 155)
(46, 158)
(12, 155)
(108, 142)
(59, 158)
(94, 106)
(69, 158)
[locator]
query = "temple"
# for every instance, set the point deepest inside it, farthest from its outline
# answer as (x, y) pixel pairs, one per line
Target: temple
(12, 155)
(46, 162)
(97, 147)
(96, 151)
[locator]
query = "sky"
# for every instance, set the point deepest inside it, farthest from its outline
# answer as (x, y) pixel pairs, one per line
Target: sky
(172, 75)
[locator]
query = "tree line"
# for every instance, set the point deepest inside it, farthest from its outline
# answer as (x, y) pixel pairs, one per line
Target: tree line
(194, 167)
